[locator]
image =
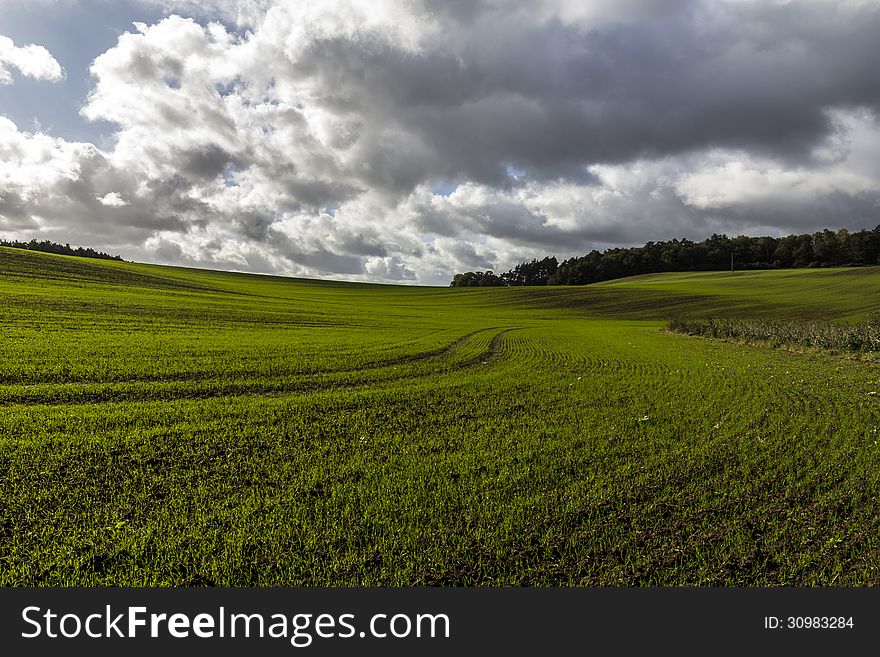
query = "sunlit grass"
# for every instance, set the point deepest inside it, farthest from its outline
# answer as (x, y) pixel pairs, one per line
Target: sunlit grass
(163, 426)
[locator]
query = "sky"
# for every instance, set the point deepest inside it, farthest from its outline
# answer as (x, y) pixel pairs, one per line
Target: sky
(402, 141)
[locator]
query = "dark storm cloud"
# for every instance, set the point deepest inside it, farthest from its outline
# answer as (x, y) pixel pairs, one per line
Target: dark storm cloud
(836, 209)
(758, 77)
(14, 213)
(205, 163)
(468, 256)
(322, 260)
(312, 193)
(362, 244)
(502, 88)
(254, 226)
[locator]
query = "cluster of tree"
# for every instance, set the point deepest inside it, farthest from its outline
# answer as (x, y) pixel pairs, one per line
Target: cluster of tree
(824, 248)
(536, 272)
(64, 249)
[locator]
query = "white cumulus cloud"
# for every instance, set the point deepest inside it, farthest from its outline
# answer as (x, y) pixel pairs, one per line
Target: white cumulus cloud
(32, 61)
(112, 200)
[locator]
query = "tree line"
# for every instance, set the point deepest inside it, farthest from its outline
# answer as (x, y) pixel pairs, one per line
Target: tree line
(64, 249)
(825, 248)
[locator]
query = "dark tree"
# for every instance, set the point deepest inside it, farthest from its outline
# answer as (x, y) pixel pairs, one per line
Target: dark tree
(536, 272)
(475, 279)
(62, 249)
(824, 248)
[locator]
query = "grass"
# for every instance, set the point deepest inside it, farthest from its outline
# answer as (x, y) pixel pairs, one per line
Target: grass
(835, 293)
(164, 426)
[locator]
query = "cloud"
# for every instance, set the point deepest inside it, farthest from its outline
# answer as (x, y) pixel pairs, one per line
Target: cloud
(312, 138)
(31, 61)
(63, 188)
(245, 13)
(32, 166)
(112, 200)
(842, 180)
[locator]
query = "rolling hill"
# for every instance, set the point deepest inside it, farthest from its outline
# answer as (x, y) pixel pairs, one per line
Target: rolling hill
(172, 426)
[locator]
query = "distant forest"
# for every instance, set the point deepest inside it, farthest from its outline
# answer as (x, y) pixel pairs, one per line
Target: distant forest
(64, 249)
(826, 248)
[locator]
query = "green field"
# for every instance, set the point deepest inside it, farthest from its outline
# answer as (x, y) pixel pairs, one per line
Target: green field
(169, 426)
